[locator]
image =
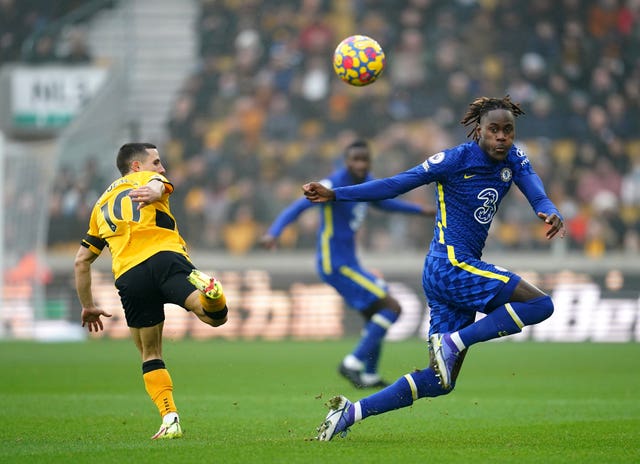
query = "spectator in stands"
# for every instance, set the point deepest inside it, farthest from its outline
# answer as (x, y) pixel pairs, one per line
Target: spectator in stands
(11, 30)
(77, 48)
(281, 122)
(26, 21)
(44, 51)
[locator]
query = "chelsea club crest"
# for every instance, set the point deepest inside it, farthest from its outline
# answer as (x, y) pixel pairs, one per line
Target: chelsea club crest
(506, 174)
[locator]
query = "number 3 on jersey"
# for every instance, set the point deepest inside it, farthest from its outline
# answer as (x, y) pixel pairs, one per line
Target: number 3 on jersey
(485, 213)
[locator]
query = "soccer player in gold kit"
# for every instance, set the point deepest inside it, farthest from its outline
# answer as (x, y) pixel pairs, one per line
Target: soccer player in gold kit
(151, 267)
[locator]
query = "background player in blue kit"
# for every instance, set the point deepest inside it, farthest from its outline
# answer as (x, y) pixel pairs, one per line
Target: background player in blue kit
(338, 265)
(470, 182)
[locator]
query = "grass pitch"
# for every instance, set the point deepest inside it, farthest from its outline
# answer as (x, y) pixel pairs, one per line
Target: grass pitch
(256, 401)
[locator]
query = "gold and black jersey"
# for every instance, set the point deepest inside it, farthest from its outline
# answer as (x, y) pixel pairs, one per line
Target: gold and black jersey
(133, 235)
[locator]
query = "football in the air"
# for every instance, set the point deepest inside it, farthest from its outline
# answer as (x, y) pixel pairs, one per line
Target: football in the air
(358, 60)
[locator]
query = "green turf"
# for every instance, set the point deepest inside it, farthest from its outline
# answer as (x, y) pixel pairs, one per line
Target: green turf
(243, 402)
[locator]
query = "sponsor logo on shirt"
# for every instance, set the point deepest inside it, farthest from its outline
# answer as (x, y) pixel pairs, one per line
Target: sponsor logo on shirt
(437, 158)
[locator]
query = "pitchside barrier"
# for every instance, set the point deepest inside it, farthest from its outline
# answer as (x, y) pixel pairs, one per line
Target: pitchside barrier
(285, 300)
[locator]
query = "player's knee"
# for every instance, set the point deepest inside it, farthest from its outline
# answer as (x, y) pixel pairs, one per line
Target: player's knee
(541, 309)
(548, 308)
(218, 322)
(386, 307)
(394, 306)
(218, 318)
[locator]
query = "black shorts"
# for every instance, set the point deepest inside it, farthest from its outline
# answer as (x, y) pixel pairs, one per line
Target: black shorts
(145, 288)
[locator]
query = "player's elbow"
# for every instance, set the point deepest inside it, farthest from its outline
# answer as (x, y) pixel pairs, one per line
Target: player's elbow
(82, 263)
(79, 264)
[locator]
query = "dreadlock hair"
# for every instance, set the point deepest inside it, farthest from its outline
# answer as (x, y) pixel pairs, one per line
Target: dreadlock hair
(481, 106)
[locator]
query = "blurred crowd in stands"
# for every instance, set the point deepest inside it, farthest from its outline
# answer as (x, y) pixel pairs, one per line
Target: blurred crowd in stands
(264, 113)
(26, 33)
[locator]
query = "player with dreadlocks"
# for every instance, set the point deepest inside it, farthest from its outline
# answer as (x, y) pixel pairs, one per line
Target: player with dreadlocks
(470, 180)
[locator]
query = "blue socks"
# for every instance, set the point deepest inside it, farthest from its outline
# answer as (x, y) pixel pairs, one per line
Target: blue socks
(506, 320)
(368, 350)
(402, 393)
(373, 359)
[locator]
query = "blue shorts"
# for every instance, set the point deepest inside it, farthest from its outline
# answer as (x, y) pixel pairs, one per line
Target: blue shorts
(359, 287)
(456, 291)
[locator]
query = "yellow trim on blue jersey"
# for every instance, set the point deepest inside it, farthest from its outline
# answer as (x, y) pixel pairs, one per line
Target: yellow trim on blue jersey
(514, 315)
(472, 269)
(412, 386)
(362, 281)
(327, 233)
(442, 224)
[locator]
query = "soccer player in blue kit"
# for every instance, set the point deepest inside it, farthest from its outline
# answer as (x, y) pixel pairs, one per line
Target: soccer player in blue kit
(338, 265)
(471, 180)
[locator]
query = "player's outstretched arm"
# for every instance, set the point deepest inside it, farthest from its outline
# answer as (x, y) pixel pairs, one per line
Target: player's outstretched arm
(428, 211)
(318, 193)
(90, 313)
(268, 241)
(557, 225)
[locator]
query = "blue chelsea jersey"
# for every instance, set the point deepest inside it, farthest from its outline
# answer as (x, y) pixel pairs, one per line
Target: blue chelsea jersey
(469, 188)
(339, 221)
